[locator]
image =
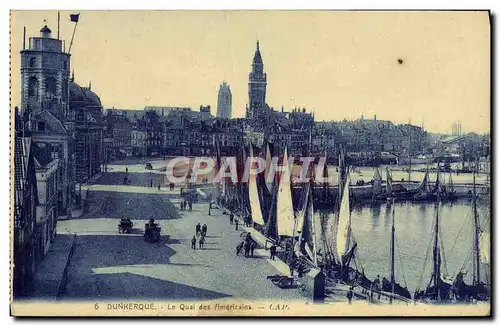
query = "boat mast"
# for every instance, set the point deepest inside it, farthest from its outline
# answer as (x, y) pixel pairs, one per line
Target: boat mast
(475, 275)
(436, 253)
(393, 244)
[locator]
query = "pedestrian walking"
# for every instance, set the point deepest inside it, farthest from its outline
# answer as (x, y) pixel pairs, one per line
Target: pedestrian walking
(236, 223)
(349, 295)
(193, 242)
(273, 251)
(204, 230)
(252, 247)
(151, 183)
(126, 169)
(231, 218)
(248, 238)
(190, 206)
(198, 229)
(202, 241)
(247, 249)
(181, 206)
(239, 248)
(159, 186)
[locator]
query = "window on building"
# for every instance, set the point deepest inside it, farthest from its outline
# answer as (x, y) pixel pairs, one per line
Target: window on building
(50, 85)
(65, 65)
(32, 62)
(41, 126)
(33, 87)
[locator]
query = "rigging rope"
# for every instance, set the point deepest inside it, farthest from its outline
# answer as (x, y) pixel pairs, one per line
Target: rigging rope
(425, 263)
(460, 231)
(441, 251)
(400, 260)
(356, 258)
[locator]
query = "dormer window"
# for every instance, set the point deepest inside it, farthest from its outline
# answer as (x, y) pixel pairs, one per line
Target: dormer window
(32, 62)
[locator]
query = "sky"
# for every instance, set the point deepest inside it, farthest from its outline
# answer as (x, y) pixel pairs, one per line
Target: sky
(430, 68)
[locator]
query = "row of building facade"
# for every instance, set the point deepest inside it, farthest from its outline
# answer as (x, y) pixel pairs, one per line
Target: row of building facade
(57, 146)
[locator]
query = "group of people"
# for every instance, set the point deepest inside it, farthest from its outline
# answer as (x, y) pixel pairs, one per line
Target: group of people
(201, 233)
(185, 205)
(249, 246)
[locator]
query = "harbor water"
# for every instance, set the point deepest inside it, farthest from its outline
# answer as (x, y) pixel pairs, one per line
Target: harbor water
(414, 223)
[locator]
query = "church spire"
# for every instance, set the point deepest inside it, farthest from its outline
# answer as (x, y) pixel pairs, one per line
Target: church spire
(257, 59)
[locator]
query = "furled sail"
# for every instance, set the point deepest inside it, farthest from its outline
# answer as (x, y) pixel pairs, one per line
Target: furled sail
(484, 247)
(310, 219)
(423, 184)
(389, 181)
(253, 196)
(344, 222)
(284, 202)
(268, 180)
(305, 227)
(302, 213)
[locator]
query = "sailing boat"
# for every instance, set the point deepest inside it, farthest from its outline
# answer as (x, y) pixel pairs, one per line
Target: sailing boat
(281, 221)
(438, 288)
(253, 196)
(377, 186)
(284, 203)
(306, 230)
(423, 191)
(345, 250)
(480, 253)
(391, 286)
(449, 189)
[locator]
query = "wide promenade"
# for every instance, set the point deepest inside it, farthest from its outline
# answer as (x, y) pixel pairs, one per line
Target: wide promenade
(107, 265)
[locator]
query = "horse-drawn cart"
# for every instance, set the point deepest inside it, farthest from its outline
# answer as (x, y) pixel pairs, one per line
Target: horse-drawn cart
(125, 226)
(152, 232)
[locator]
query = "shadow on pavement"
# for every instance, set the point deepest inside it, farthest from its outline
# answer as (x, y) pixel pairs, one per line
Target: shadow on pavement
(108, 204)
(118, 255)
(143, 287)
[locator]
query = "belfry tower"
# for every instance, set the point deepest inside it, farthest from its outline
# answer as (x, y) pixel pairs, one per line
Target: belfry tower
(45, 75)
(256, 86)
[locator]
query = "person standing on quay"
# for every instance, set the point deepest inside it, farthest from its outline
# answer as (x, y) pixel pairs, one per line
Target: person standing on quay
(239, 248)
(198, 229)
(204, 230)
(273, 251)
(202, 241)
(252, 247)
(193, 242)
(231, 218)
(236, 223)
(247, 249)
